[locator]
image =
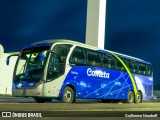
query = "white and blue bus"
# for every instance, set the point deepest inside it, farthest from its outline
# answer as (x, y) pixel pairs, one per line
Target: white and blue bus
(68, 70)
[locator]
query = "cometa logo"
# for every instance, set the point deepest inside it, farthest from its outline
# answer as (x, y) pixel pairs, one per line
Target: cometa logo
(97, 73)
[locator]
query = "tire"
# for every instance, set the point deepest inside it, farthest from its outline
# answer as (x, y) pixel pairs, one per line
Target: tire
(68, 95)
(131, 97)
(39, 100)
(138, 97)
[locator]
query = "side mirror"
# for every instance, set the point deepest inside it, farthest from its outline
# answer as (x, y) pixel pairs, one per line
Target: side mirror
(8, 58)
(7, 61)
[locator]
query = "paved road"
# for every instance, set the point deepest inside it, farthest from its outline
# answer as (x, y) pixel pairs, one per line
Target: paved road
(15, 100)
(80, 108)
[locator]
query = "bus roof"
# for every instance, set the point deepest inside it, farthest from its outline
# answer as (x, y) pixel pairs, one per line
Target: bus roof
(64, 41)
(51, 41)
(125, 56)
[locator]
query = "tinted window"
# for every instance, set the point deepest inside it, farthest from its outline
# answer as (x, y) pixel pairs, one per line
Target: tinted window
(145, 69)
(133, 66)
(55, 67)
(78, 56)
(149, 70)
(119, 66)
(109, 61)
(142, 69)
(63, 50)
(94, 58)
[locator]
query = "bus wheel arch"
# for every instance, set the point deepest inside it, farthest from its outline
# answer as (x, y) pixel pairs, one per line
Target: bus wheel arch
(139, 97)
(69, 94)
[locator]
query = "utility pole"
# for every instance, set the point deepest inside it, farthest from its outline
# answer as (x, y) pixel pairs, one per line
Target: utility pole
(95, 27)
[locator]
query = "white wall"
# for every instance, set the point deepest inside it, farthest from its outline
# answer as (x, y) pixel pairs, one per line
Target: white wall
(6, 73)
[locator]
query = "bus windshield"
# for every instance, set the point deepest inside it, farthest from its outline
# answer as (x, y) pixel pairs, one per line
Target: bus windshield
(30, 64)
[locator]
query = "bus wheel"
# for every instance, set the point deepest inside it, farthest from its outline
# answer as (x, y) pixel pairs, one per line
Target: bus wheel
(68, 95)
(138, 97)
(130, 97)
(39, 100)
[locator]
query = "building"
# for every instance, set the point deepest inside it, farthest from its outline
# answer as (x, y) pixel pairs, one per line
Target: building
(6, 72)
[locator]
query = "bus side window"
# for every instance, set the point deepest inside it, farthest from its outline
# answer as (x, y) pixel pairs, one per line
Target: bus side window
(78, 56)
(62, 50)
(109, 61)
(133, 66)
(94, 58)
(105, 62)
(125, 62)
(119, 66)
(55, 67)
(149, 70)
(142, 69)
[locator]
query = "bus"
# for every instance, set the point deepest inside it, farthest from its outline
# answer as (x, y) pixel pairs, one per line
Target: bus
(67, 70)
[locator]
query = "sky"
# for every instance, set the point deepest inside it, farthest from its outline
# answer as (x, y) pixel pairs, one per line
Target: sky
(132, 26)
(25, 21)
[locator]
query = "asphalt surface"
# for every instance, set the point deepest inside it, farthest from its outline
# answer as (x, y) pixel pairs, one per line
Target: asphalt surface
(80, 108)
